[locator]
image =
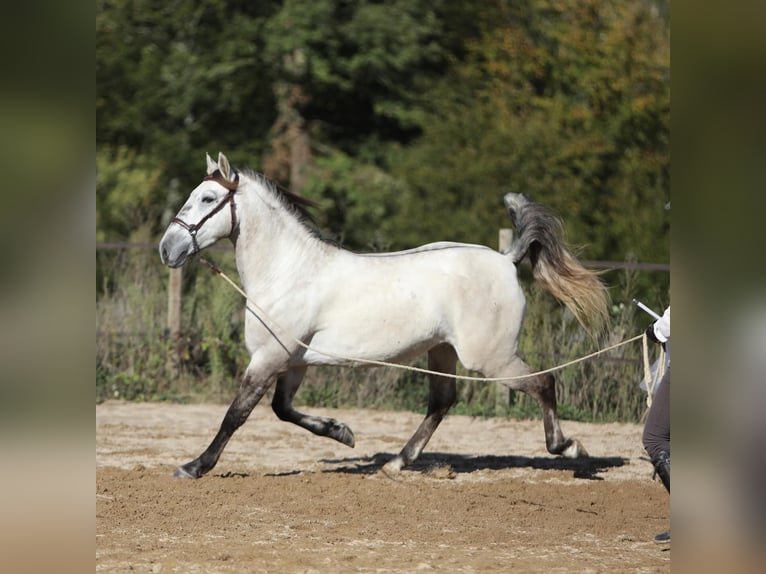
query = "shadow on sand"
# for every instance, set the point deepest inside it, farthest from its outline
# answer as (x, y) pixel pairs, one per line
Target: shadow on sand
(586, 468)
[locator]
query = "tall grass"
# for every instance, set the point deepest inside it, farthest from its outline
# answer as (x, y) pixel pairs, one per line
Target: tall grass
(131, 345)
(137, 360)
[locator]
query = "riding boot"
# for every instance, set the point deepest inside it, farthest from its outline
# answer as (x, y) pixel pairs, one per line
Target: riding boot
(662, 468)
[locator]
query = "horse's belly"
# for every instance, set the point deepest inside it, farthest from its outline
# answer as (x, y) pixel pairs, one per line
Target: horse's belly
(373, 336)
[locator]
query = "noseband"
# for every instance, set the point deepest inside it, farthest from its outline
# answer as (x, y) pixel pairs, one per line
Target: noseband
(229, 198)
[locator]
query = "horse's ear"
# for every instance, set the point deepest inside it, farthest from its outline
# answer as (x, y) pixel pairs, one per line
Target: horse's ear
(223, 165)
(211, 165)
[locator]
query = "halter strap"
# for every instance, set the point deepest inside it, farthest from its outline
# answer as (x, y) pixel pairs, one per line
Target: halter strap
(219, 179)
(229, 198)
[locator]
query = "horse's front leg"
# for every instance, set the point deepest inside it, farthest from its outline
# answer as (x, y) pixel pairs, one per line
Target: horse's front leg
(282, 403)
(254, 385)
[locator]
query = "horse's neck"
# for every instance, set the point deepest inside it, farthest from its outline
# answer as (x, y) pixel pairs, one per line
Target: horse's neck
(272, 244)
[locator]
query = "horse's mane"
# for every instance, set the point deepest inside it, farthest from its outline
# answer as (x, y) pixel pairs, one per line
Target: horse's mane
(295, 203)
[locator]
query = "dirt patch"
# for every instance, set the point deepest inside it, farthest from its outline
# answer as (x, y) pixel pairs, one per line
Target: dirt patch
(485, 496)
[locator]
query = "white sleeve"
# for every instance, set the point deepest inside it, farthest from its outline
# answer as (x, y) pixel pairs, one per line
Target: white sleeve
(662, 327)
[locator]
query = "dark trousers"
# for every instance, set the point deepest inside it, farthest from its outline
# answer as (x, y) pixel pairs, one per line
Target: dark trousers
(656, 437)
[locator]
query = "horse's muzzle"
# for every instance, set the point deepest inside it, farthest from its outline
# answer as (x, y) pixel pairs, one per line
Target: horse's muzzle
(173, 255)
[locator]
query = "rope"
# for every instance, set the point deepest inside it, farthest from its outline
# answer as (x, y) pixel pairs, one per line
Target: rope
(501, 380)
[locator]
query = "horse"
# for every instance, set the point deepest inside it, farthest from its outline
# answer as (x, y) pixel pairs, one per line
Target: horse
(454, 301)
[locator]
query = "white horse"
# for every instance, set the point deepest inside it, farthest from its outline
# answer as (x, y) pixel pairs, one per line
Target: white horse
(455, 301)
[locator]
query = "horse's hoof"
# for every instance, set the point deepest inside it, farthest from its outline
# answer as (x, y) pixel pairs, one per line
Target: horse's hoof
(575, 450)
(393, 467)
(182, 473)
(342, 434)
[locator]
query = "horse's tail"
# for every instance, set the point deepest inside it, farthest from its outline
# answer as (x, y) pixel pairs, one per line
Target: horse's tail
(538, 234)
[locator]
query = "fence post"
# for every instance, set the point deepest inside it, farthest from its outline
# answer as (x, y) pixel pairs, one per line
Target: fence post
(503, 395)
(174, 319)
(504, 238)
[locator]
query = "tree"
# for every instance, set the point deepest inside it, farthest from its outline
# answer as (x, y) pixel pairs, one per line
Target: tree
(126, 189)
(347, 75)
(569, 104)
(271, 83)
(408, 121)
(177, 79)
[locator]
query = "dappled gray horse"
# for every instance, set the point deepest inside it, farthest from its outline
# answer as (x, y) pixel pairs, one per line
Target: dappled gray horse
(455, 301)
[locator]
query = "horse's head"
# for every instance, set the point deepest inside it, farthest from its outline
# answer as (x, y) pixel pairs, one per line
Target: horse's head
(203, 219)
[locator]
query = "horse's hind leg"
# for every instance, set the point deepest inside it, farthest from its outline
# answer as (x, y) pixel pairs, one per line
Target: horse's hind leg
(442, 396)
(543, 389)
(282, 403)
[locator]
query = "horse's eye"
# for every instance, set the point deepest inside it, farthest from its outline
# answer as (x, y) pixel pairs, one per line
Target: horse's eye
(208, 199)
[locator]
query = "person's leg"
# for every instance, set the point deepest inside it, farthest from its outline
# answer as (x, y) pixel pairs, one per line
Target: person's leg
(656, 438)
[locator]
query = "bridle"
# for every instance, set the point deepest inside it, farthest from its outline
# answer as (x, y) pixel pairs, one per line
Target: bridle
(229, 198)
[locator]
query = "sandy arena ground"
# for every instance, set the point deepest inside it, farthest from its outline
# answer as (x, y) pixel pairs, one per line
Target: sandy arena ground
(485, 496)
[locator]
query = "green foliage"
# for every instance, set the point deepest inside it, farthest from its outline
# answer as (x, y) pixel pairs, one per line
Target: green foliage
(176, 79)
(355, 200)
(449, 104)
(374, 388)
(135, 357)
(568, 103)
(214, 323)
(131, 345)
(358, 61)
(128, 186)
